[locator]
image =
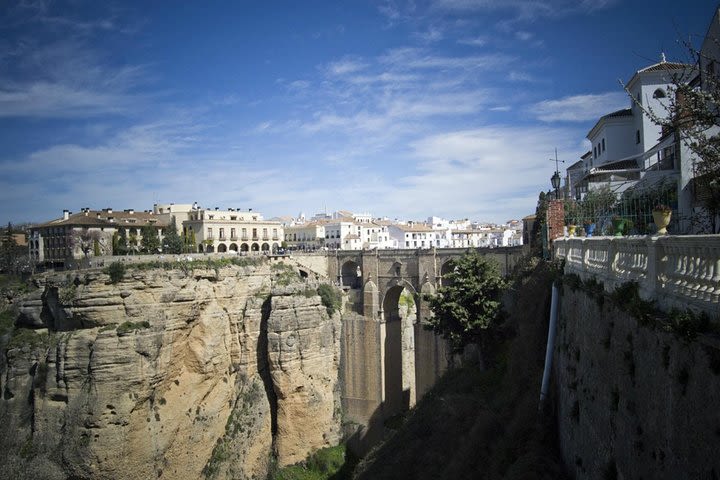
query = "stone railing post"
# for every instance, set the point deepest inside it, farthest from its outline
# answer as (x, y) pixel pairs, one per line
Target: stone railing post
(648, 286)
(612, 273)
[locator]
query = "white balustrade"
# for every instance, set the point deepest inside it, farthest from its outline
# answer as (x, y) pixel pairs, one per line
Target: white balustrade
(676, 271)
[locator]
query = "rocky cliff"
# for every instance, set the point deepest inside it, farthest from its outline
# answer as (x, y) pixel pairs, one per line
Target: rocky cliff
(168, 373)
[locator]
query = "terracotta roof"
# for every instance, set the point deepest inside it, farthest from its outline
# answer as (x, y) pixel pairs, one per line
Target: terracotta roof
(625, 112)
(664, 66)
(415, 228)
(100, 218)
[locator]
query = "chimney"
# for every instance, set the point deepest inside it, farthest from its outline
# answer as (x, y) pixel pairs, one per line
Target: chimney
(108, 210)
(216, 209)
(66, 214)
(130, 211)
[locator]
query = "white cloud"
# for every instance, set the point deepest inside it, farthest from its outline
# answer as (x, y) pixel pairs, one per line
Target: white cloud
(580, 108)
(473, 41)
(345, 66)
(514, 76)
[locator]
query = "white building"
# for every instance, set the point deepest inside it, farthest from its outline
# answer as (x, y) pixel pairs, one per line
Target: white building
(414, 235)
(232, 231)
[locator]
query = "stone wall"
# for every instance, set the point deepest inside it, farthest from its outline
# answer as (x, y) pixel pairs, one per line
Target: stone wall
(633, 401)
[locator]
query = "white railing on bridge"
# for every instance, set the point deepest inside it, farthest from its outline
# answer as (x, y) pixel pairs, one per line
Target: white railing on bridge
(676, 271)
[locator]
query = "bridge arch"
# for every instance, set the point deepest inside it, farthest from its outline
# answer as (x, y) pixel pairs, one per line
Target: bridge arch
(447, 267)
(399, 315)
(351, 274)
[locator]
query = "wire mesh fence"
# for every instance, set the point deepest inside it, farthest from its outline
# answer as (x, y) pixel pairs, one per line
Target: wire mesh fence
(630, 214)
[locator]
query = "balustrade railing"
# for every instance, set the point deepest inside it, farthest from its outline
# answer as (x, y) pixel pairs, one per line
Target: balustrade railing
(676, 271)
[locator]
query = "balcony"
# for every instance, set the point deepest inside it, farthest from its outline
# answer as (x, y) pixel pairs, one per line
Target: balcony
(233, 238)
(244, 238)
(223, 238)
(265, 238)
(275, 237)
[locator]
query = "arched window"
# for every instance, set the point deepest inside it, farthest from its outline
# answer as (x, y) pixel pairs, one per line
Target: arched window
(659, 93)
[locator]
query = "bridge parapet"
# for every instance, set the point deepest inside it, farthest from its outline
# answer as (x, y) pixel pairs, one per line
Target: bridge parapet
(676, 271)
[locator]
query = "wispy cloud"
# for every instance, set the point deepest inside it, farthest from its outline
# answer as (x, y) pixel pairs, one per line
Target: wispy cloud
(580, 108)
(345, 66)
(473, 41)
(524, 9)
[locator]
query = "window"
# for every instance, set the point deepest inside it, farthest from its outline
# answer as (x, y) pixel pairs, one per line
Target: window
(594, 152)
(244, 233)
(637, 136)
(659, 93)
(222, 233)
(209, 232)
(232, 233)
(603, 144)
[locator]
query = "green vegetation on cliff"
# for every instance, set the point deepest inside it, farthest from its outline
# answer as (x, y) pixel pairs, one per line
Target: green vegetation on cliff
(324, 464)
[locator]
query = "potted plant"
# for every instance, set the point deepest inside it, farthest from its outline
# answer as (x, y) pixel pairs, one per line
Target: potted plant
(618, 224)
(661, 215)
(589, 227)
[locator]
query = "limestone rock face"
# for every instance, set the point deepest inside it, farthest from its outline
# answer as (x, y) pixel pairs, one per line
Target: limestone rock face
(168, 373)
(304, 358)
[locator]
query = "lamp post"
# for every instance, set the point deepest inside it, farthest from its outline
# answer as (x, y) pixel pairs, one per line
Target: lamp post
(555, 179)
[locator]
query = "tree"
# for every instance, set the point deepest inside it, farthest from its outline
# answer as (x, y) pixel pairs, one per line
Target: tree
(470, 304)
(84, 240)
(172, 243)
(11, 254)
(150, 242)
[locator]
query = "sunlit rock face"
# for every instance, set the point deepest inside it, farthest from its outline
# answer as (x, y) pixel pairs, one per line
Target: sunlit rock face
(178, 373)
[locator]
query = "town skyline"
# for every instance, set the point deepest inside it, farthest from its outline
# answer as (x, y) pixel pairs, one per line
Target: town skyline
(404, 110)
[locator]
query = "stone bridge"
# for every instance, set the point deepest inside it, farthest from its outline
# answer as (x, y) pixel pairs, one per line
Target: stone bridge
(391, 360)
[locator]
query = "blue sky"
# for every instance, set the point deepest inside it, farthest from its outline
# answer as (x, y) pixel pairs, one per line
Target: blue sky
(404, 109)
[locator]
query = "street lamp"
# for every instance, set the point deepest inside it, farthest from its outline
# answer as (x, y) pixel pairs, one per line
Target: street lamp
(555, 180)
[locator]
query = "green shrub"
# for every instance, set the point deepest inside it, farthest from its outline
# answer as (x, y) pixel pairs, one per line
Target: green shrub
(116, 270)
(330, 297)
(67, 294)
(688, 324)
(321, 465)
(25, 337)
(7, 322)
(127, 327)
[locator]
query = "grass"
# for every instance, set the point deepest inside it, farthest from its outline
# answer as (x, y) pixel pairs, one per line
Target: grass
(324, 464)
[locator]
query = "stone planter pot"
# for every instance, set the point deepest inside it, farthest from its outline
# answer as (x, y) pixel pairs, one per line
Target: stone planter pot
(589, 229)
(571, 230)
(662, 220)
